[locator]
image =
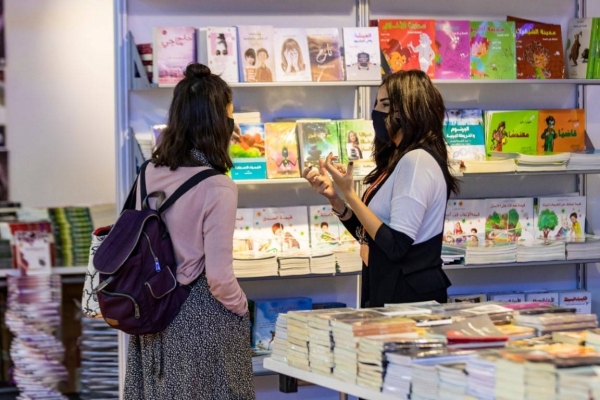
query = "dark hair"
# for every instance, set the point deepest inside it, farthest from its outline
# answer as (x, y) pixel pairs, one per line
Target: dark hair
(221, 39)
(573, 215)
(355, 135)
(550, 119)
(250, 53)
(417, 108)
(291, 44)
(324, 224)
(197, 120)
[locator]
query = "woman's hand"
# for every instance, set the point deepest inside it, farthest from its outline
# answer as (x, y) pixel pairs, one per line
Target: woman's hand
(320, 181)
(343, 178)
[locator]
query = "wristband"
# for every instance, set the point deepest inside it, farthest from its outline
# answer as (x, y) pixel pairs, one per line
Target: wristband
(342, 214)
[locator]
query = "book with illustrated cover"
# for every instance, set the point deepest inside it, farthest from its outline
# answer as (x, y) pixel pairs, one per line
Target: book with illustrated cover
(493, 50)
(243, 244)
(217, 49)
(278, 229)
(560, 218)
(316, 140)
(325, 54)
(248, 154)
(356, 144)
(511, 131)
(464, 134)
(453, 49)
(465, 221)
(324, 228)
(407, 44)
(256, 53)
(561, 130)
(292, 58)
(266, 312)
(32, 245)
(174, 48)
(539, 50)
(509, 220)
(281, 150)
(361, 54)
(579, 35)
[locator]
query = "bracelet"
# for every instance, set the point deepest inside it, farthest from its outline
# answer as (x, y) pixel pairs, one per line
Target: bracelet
(342, 214)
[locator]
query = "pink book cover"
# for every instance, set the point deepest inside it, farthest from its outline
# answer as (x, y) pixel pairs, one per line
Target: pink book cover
(174, 49)
(453, 52)
(223, 53)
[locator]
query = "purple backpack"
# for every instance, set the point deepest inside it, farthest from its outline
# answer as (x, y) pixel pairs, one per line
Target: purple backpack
(138, 291)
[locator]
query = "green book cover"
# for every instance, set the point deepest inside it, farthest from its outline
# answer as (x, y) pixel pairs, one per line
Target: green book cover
(511, 131)
(493, 50)
(356, 144)
(316, 140)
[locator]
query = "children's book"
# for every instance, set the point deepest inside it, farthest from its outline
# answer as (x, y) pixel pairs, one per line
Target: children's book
(510, 220)
(579, 33)
(278, 229)
(407, 44)
(32, 246)
(326, 230)
(217, 48)
(243, 244)
(464, 134)
(539, 50)
(361, 54)
(465, 221)
(511, 131)
(356, 144)
(325, 54)
(281, 150)
(493, 50)
(248, 153)
(174, 48)
(256, 53)
(265, 318)
(292, 58)
(453, 50)
(316, 140)
(560, 217)
(561, 130)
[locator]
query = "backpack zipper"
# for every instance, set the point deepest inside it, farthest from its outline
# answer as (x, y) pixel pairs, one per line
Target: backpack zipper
(135, 305)
(156, 263)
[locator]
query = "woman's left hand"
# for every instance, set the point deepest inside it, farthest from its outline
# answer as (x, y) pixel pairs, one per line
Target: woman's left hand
(342, 177)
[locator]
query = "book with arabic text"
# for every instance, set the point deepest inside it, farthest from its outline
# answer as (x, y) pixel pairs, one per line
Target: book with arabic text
(453, 50)
(493, 50)
(174, 48)
(325, 54)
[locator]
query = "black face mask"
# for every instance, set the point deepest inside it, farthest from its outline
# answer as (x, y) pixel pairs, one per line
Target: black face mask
(230, 124)
(381, 130)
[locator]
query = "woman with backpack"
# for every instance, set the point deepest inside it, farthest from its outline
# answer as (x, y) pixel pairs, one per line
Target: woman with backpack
(205, 351)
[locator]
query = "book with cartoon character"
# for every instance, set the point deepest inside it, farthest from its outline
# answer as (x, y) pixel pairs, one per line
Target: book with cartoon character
(493, 50)
(243, 244)
(356, 144)
(316, 140)
(281, 229)
(292, 58)
(174, 48)
(248, 153)
(579, 34)
(509, 220)
(256, 53)
(465, 221)
(561, 130)
(265, 318)
(325, 54)
(217, 48)
(453, 50)
(361, 54)
(560, 218)
(464, 134)
(511, 131)
(407, 44)
(281, 150)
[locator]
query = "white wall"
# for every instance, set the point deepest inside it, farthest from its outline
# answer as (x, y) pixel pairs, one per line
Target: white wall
(60, 101)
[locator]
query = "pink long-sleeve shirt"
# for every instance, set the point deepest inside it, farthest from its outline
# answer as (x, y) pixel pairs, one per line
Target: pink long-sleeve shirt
(201, 224)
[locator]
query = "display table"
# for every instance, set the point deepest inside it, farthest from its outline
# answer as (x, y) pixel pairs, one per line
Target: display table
(327, 382)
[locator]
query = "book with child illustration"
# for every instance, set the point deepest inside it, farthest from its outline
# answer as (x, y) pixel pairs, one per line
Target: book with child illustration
(452, 49)
(493, 50)
(292, 58)
(325, 54)
(217, 48)
(361, 53)
(174, 48)
(256, 58)
(281, 229)
(281, 150)
(465, 221)
(560, 218)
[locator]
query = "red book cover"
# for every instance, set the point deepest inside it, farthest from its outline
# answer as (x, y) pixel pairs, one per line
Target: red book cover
(32, 246)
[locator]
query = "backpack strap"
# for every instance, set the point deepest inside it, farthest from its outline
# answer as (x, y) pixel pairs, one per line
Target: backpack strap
(142, 179)
(131, 197)
(187, 185)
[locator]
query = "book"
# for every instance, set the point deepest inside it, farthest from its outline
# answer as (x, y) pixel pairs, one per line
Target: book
(292, 58)
(464, 134)
(217, 49)
(561, 130)
(539, 50)
(242, 236)
(581, 300)
(248, 153)
(511, 131)
(361, 53)
(324, 228)
(281, 150)
(174, 48)
(265, 317)
(356, 144)
(542, 297)
(316, 140)
(453, 50)
(407, 44)
(256, 53)
(32, 246)
(468, 298)
(281, 229)
(493, 50)
(560, 218)
(579, 34)
(509, 220)
(464, 222)
(324, 48)
(508, 297)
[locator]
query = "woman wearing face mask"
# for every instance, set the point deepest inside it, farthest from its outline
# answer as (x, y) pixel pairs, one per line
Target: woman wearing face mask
(399, 220)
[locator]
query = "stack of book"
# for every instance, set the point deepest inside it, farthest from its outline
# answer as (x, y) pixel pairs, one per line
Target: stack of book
(578, 383)
(584, 160)
(542, 162)
(348, 259)
(294, 263)
(492, 165)
(488, 253)
(297, 337)
(452, 381)
(321, 339)
(470, 333)
(254, 265)
(541, 250)
(587, 247)
(551, 319)
(73, 229)
(481, 375)
(280, 343)
(322, 262)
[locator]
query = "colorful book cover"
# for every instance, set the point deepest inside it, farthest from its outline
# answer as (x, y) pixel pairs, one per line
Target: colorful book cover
(266, 312)
(278, 229)
(539, 50)
(509, 220)
(407, 44)
(464, 222)
(256, 53)
(218, 50)
(174, 48)
(464, 134)
(325, 54)
(561, 130)
(243, 244)
(493, 50)
(316, 140)
(361, 54)
(324, 228)
(356, 144)
(32, 245)
(560, 217)
(281, 150)
(248, 153)
(511, 131)
(292, 58)
(579, 34)
(453, 50)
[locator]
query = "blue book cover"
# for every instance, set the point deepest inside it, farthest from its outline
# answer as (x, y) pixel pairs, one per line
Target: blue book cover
(248, 153)
(265, 317)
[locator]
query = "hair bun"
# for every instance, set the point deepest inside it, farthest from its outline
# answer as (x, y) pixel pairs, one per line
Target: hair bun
(196, 70)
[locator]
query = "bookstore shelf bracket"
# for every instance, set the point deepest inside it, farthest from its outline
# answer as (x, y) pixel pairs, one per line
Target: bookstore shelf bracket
(139, 78)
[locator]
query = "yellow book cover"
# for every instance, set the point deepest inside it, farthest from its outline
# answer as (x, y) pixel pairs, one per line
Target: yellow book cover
(281, 149)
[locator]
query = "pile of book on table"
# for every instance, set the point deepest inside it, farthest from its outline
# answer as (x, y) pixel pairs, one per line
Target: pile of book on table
(489, 350)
